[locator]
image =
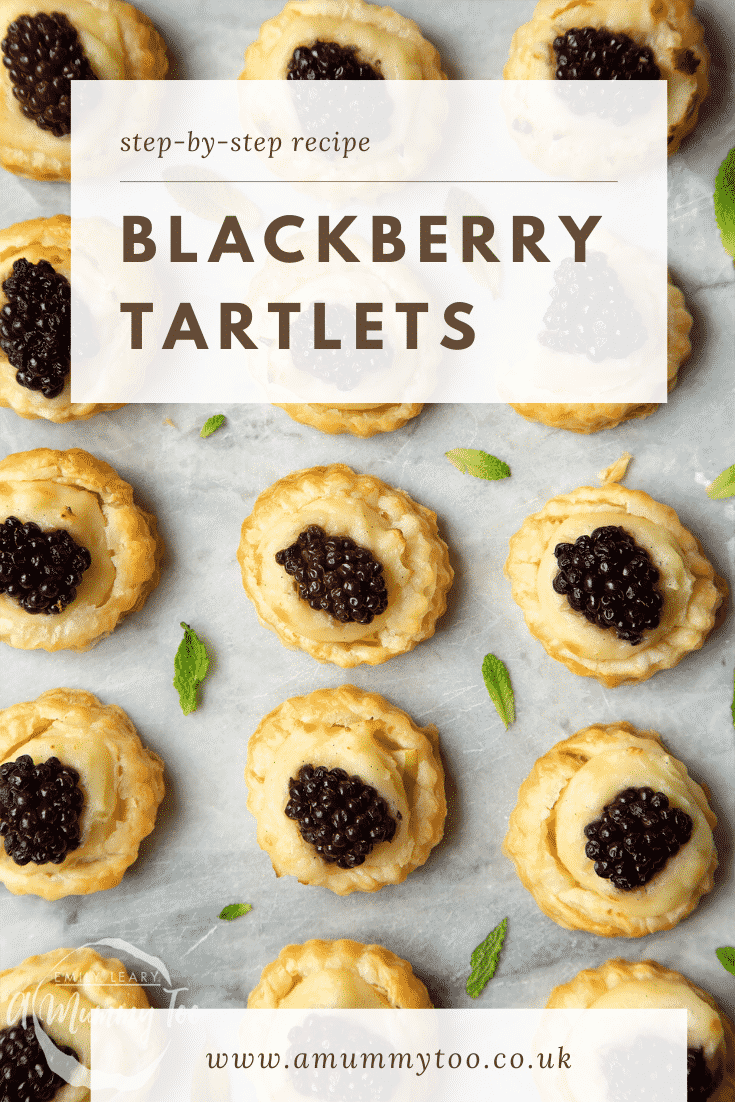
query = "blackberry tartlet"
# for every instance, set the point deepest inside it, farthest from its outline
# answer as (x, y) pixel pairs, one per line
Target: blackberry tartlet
(338, 975)
(645, 985)
(62, 988)
(36, 321)
(589, 417)
(679, 581)
(76, 553)
(78, 793)
(395, 577)
(46, 46)
(347, 791)
(340, 40)
(640, 40)
(611, 835)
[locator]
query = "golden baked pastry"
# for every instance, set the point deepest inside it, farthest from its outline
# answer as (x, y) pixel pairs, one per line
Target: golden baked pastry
(689, 591)
(564, 802)
(118, 789)
(399, 607)
(39, 239)
(62, 988)
(359, 419)
(105, 39)
(645, 985)
(389, 45)
(72, 492)
(593, 416)
(667, 29)
(338, 975)
(351, 750)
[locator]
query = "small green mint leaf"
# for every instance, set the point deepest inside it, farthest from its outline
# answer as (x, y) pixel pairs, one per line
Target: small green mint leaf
(484, 960)
(723, 485)
(212, 424)
(190, 669)
(234, 910)
(725, 202)
(497, 683)
(726, 957)
(478, 463)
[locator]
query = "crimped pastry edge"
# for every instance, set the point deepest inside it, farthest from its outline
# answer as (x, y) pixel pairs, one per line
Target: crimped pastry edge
(334, 419)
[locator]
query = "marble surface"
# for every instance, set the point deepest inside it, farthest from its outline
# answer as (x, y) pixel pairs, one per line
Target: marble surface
(203, 853)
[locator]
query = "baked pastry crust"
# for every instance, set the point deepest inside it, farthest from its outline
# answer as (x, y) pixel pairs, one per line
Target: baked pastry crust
(668, 27)
(359, 419)
(390, 43)
(566, 789)
(121, 44)
(591, 417)
(121, 780)
(63, 987)
(401, 534)
(75, 490)
(692, 591)
(645, 984)
(40, 239)
(335, 972)
(362, 733)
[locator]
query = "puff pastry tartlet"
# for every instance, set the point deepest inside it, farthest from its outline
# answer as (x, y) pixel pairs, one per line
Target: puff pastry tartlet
(399, 572)
(344, 975)
(359, 419)
(328, 39)
(96, 39)
(591, 417)
(568, 817)
(62, 988)
(686, 592)
(86, 515)
(666, 43)
(23, 247)
(98, 779)
(347, 790)
(645, 985)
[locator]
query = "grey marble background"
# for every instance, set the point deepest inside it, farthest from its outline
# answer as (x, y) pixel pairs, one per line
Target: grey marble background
(203, 853)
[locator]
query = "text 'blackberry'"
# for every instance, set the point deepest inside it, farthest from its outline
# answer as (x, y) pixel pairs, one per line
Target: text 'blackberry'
(612, 580)
(335, 575)
(42, 53)
(636, 835)
(340, 816)
(40, 570)
(35, 326)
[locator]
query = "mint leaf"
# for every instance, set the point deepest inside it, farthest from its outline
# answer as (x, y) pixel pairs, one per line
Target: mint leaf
(726, 957)
(723, 485)
(478, 463)
(484, 960)
(190, 669)
(212, 424)
(725, 202)
(497, 683)
(234, 910)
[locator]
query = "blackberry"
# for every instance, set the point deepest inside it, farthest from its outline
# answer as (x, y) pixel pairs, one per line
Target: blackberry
(40, 570)
(320, 1034)
(24, 1072)
(591, 313)
(636, 835)
(612, 580)
(329, 61)
(586, 53)
(701, 1082)
(35, 326)
(39, 810)
(344, 367)
(336, 575)
(42, 53)
(340, 816)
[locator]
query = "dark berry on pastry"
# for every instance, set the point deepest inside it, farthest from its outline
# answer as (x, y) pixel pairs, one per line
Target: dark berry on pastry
(701, 1081)
(39, 810)
(345, 366)
(35, 326)
(24, 1072)
(40, 570)
(336, 575)
(329, 61)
